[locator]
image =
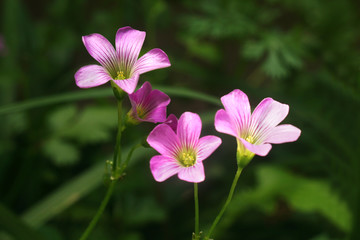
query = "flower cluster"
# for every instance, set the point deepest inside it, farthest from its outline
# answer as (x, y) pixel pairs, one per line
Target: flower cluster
(181, 149)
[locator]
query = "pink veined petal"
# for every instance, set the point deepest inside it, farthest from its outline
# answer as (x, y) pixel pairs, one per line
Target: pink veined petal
(154, 59)
(194, 173)
(157, 99)
(91, 76)
(128, 85)
(101, 50)
(207, 145)
(237, 106)
(266, 116)
(164, 140)
(128, 45)
(223, 123)
(189, 129)
(157, 115)
(141, 94)
(163, 167)
(172, 121)
(283, 133)
(261, 150)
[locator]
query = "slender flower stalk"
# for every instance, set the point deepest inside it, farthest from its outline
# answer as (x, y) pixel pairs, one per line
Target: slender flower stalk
(196, 201)
(227, 202)
(122, 65)
(254, 132)
(117, 171)
(117, 153)
(99, 211)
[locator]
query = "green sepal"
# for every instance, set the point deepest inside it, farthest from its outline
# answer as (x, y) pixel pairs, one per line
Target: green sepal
(243, 155)
(130, 120)
(118, 92)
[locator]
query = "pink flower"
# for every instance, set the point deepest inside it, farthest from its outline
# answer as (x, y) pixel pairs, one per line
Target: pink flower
(121, 65)
(148, 105)
(257, 131)
(172, 121)
(182, 152)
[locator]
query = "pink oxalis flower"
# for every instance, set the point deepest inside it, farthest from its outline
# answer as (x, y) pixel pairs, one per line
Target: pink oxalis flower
(121, 65)
(172, 121)
(257, 131)
(182, 152)
(148, 105)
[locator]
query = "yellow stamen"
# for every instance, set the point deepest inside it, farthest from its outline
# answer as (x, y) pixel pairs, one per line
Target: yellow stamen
(187, 159)
(141, 112)
(120, 75)
(250, 139)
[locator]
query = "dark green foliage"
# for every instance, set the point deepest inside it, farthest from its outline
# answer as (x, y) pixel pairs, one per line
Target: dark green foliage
(54, 143)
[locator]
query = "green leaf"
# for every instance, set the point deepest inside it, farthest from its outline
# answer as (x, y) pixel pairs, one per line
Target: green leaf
(71, 192)
(60, 152)
(98, 93)
(62, 117)
(273, 66)
(65, 196)
(253, 50)
(143, 211)
(16, 227)
(94, 124)
(201, 49)
(61, 98)
(303, 194)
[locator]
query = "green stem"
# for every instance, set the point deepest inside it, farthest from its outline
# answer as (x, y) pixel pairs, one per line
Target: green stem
(125, 164)
(228, 200)
(99, 211)
(196, 198)
(117, 153)
(116, 173)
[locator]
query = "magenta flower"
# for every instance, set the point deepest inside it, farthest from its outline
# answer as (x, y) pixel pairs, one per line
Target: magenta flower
(148, 105)
(121, 65)
(182, 152)
(257, 131)
(172, 121)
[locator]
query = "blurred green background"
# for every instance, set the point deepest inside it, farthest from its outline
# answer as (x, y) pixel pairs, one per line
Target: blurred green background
(55, 137)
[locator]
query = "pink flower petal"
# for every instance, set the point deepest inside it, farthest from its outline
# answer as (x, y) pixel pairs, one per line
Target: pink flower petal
(128, 85)
(207, 145)
(141, 94)
(269, 113)
(261, 150)
(152, 102)
(154, 59)
(157, 115)
(188, 129)
(101, 50)
(237, 106)
(128, 45)
(164, 140)
(284, 133)
(91, 76)
(223, 123)
(172, 121)
(163, 167)
(194, 174)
